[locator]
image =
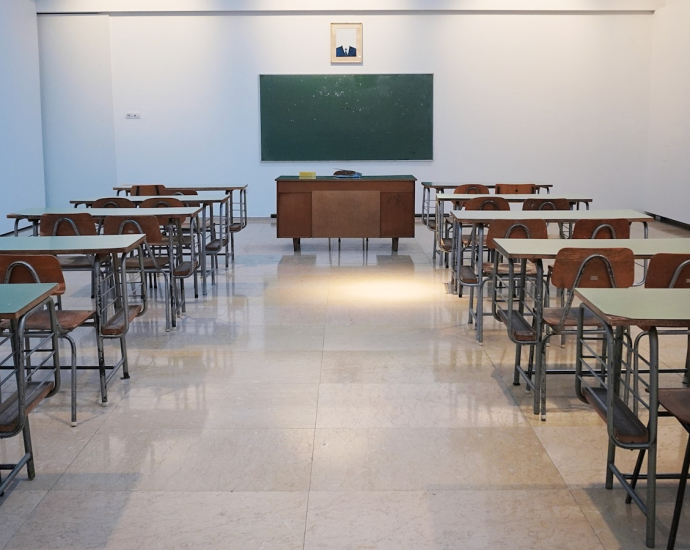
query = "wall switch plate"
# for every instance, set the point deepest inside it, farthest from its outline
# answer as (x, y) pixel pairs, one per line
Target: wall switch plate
(133, 116)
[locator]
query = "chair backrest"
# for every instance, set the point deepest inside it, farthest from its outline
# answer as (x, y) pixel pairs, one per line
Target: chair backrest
(471, 189)
(147, 190)
(515, 189)
(487, 203)
(136, 225)
(546, 204)
(81, 223)
(515, 229)
(668, 271)
(113, 202)
(25, 268)
(593, 268)
(157, 202)
(182, 192)
(601, 229)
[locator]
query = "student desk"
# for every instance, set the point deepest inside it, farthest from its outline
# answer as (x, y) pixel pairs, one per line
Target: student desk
(428, 217)
(331, 207)
(538, 250)
(117, 247)
(616, 309)
(480, 219)
(575, 199)
(17, 301)
(220, 238)
(174, 215)
(237, 207)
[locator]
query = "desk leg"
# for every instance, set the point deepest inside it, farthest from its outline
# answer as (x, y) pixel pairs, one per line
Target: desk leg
(202, 234)
(652, 427)
(480, 286)
(296, 245)
(395, 244)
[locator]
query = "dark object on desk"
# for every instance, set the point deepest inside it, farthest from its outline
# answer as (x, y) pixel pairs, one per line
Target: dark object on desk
(347, 174)
(346, 117)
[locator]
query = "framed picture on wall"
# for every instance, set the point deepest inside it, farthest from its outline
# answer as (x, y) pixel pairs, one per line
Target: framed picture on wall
(346, 42)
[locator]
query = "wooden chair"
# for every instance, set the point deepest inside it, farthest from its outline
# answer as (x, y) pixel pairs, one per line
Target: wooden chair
(113, 202)
(64, 225)
(667, 271)
(585, 268)
(515, 189)
(496, 270)
(182, 236)
(546, 204)
(46, 269)
(148, 190)
(23, 387)
(487, 203)
(469, 189)
(154, 262)
(479, 203)
(445, 238)
(601, 229)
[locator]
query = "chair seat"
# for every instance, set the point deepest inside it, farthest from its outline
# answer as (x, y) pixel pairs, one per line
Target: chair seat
(522, 330)
(216, 245)
(445, 244)
(677, 402)
(9, 418)
(68, 319)
(184, 269)
(552, 316)
(467, 275)
(627, 428)
(530, 270)
(115, 326)
(161, 261)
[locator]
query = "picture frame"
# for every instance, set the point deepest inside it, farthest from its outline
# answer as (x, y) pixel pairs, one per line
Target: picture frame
(346, 42)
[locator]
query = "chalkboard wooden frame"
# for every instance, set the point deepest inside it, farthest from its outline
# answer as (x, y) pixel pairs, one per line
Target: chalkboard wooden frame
(346, 117)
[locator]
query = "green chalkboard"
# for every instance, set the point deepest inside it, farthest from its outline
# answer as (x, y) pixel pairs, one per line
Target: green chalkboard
(347, 117)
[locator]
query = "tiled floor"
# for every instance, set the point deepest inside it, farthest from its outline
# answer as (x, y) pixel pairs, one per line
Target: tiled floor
(324, 400)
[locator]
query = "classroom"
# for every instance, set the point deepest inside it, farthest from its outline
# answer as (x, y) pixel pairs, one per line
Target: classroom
(282, 374)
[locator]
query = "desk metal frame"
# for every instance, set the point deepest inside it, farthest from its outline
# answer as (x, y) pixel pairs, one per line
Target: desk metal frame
(480, 219)
(617, 309)
(175, 215)
(575, 200)
(17, 302)
(428, 215)
(117, 246)
(537, 251)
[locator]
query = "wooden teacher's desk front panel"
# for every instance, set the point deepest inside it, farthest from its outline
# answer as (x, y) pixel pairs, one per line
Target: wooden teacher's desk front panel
(366, 207)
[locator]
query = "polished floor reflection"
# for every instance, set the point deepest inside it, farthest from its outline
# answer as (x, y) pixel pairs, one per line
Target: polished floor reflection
(326, 400)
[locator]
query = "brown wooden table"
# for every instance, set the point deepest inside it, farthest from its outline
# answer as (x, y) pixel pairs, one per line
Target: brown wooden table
(331, 207)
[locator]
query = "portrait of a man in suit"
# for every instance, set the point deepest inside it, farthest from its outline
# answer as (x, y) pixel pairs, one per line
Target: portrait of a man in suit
(346, 40)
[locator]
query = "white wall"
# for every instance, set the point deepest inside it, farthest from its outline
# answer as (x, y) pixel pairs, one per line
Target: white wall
(669, 135)
(518, 97)
(21, 153)
(76, 86)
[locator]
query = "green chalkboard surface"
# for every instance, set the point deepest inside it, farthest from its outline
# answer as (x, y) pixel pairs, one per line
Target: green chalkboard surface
(347, 117)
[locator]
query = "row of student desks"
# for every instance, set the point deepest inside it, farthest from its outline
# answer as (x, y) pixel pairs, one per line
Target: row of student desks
(117, 261)
(613, 371)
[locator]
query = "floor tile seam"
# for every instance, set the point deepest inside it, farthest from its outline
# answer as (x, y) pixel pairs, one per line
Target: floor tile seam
(29, 515)
(586, 516)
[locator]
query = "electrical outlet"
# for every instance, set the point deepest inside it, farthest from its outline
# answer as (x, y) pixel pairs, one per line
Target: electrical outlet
(132, 116)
